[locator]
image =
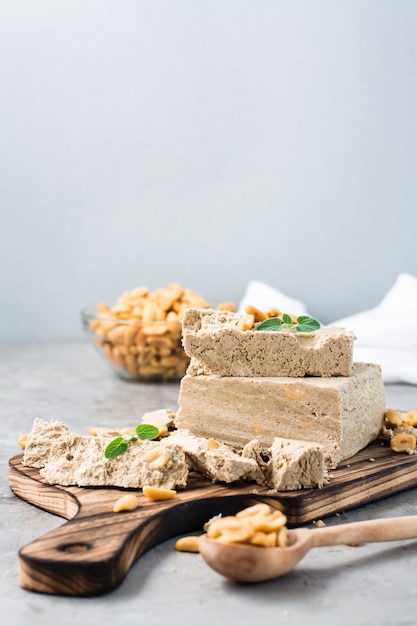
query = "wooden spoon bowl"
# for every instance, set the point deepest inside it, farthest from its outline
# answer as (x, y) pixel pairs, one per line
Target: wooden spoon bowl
(246, 563)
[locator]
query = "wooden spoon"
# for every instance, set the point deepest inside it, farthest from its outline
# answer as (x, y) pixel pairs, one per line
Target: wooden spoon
(246, 563)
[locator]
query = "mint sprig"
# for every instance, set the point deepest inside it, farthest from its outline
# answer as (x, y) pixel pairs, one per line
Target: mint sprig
(303, 324)
(118, 446)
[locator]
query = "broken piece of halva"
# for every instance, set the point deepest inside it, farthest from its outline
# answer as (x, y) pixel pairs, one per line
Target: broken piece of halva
(217, 461)
(289, 464)
(296, 465)
(161, 418)
(253, 450)
(342, 413)
(40, 440)
(78, 460)
(70, 459)
(218, 347)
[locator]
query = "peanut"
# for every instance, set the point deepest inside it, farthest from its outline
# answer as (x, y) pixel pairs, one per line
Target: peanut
(126, 503)
(129, 430)
(258, 429)
(410, 418)
(269, 540)
(22, 440)
(269, 523)
(230, 530)
(282, 537)
(273, 312)
(294, 393)
(163, 431)
(157, 458)
(226, 306)
(257, 525)
(403, 442)
(246, 322)
(259, 316)
(141, 333)
(392, 418)
(253, 511)
(158, 493)
(188, 544)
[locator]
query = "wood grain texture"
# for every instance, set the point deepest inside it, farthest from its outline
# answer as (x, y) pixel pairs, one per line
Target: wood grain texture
(92, 552)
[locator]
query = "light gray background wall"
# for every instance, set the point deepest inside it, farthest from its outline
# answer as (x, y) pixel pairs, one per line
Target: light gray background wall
(208, 142)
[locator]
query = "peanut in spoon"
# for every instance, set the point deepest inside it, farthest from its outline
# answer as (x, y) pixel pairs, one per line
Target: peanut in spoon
(247, 563)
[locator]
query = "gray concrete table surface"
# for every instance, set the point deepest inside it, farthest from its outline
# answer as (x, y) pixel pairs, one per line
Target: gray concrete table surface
(369, 584)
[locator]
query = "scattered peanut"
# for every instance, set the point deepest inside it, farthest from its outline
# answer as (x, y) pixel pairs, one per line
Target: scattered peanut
(397, 419)
(403, 442)
(410, 418)
(158, 493)
(401, 430)
(257, 525)
(212, 444)
(319, 523)
(126, 503)
(392, 418)
(22, 440)
(188, 544)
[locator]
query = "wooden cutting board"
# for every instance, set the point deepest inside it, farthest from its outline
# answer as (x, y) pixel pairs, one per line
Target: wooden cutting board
(92, 553)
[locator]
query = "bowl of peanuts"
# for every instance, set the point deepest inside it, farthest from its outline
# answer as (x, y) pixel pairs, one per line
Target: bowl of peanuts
(140, 336)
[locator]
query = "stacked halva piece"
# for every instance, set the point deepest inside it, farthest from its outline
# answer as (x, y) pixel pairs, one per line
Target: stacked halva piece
(294, 402)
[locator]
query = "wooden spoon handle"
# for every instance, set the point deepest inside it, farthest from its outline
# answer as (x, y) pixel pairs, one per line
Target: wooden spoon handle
(370, 531)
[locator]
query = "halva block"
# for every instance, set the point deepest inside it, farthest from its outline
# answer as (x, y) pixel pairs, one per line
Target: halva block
(218, 347)
(342, 413)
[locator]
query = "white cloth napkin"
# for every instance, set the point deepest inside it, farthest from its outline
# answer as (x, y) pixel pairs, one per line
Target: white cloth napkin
(265, 297)
(386, 334)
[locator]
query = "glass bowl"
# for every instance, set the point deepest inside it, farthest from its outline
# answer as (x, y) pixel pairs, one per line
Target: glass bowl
(136, 349)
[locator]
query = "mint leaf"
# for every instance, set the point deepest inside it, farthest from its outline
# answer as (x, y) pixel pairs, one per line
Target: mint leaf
(271, 324)
(306, 324)
(147, 431)
(115, 448)
(119, 445)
